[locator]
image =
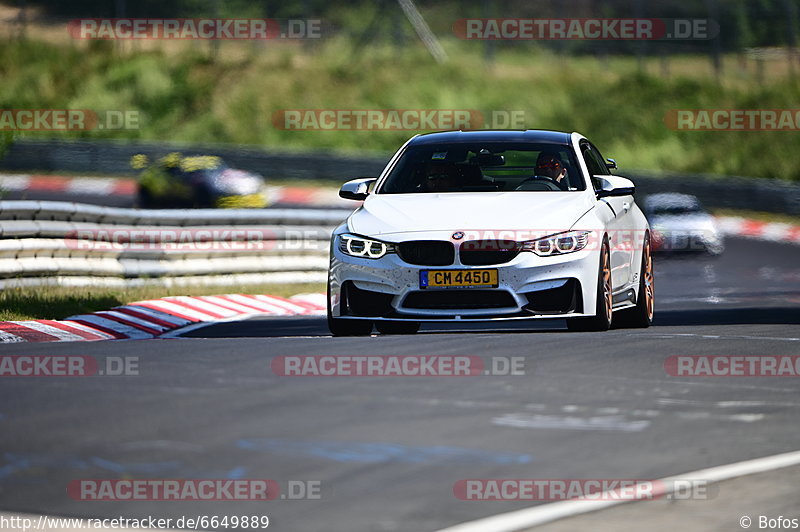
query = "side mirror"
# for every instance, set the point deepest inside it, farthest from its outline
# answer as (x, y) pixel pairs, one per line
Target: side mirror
(357, 189)
(614, 185)
(611, 164)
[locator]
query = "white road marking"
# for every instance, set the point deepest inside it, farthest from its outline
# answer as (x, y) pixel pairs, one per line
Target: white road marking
(736, 404)
(538, 421)
(716, 337)
(742, 418)
(646, 413)
(747, 418)
(725, 404)
(546, 513)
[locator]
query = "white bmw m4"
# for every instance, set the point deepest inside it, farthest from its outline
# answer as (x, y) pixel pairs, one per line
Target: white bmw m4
(491, 225)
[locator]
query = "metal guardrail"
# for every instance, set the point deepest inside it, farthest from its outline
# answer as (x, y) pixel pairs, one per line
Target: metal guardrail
(112, 158)
(740, 193)
(52, 239)
(79, 212)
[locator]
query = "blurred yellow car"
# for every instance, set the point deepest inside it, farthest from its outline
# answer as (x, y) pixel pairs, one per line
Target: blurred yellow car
(197, 181)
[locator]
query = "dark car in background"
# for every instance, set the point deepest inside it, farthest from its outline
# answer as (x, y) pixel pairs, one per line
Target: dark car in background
(681, 224)
(197, 181)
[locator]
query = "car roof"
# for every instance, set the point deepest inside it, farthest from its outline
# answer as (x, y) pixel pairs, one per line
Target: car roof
(493, 135)
(671, 199)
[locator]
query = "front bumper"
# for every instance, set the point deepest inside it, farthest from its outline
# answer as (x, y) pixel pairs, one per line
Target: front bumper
(687, 241)
(529, 287)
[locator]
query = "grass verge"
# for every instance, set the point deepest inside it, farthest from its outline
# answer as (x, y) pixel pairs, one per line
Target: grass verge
(187, 97)
(57, 302)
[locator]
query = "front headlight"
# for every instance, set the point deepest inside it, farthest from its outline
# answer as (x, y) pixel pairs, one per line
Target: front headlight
(559, 244)
(366, 248)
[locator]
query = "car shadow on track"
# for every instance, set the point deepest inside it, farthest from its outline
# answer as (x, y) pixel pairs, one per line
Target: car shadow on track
(304, 326)
(317, 326)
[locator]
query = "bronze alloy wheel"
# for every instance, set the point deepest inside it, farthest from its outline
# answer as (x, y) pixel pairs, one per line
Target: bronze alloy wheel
(649, 280)
(605, 271)
(641, 315)
(604, 311)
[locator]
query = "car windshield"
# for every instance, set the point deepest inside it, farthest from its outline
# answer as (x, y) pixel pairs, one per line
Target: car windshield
(675, 209)
(484, 167)
(203, 163)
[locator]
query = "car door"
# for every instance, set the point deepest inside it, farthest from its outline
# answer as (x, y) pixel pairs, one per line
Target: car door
(180, 189)
(621, 237)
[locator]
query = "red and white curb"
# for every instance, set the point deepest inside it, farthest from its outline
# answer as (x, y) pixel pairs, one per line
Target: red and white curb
(100, 186)
(770, 231)
(154, 318)
(310, 197)
(108, 186)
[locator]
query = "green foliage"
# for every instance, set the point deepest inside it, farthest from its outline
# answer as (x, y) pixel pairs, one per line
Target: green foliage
(182, 96)
(6, 138)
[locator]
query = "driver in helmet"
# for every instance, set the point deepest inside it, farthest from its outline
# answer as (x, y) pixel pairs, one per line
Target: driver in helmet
(440, 177)
(549, 164)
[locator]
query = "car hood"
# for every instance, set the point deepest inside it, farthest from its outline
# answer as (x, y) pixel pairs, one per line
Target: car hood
(404, 213)
(232, 181)
(686, 222)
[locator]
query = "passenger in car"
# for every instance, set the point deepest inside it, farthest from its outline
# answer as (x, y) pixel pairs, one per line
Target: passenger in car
(440, 177)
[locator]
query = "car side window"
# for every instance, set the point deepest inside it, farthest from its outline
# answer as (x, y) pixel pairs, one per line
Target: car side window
(592, 163)
(600, 159)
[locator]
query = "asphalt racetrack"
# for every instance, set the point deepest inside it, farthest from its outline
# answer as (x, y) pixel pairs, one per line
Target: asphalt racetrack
(386, 452)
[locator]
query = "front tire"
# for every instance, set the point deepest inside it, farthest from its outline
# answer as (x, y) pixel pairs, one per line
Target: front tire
(340, 327)
(144, 200)
(343, 327)
(601, 321)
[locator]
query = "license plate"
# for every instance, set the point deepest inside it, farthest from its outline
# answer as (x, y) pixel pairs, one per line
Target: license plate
(458, 278)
